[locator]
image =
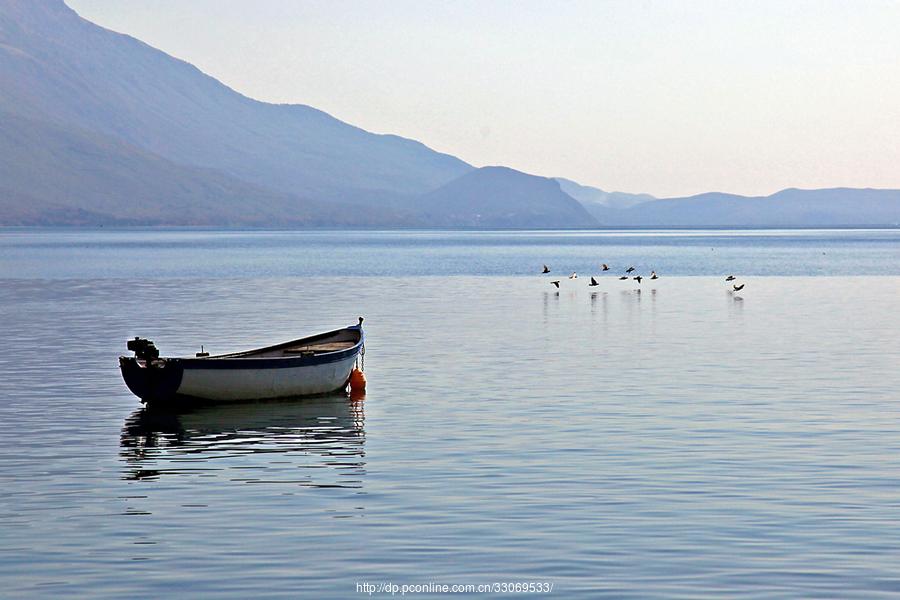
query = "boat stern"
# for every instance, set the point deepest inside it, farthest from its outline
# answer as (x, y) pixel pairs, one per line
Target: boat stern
(153, 379)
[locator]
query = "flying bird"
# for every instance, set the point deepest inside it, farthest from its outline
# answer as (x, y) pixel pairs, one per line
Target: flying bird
(730, 278)
(638, 278)
(546, 269)
(556, 283)
(623, 277)
(593, 282)
(653, 275)
(629, 269)
(605, 267)
(738, 288)
(574, 275)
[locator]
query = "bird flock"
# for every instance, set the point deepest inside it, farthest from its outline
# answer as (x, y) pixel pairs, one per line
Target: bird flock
(629, 274)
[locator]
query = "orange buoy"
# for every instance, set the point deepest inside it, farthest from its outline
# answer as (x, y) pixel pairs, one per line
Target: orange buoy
(357, 380)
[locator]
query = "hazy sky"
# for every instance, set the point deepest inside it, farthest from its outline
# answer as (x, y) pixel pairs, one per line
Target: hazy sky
(670, 98)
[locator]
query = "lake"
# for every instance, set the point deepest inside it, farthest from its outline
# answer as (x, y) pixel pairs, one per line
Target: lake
(670, 439)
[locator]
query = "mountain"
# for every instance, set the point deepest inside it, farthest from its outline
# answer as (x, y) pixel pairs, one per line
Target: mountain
(596, 201)
(97, 127)
(499, 197)
(70, 76)
(55, 175)
(787, 208)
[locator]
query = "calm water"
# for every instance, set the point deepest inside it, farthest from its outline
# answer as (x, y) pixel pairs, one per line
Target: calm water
(671, 439)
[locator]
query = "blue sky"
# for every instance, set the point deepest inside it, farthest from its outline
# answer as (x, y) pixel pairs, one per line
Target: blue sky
(669, 98)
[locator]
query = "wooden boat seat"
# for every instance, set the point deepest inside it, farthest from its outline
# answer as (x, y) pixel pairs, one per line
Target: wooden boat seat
(319, 348)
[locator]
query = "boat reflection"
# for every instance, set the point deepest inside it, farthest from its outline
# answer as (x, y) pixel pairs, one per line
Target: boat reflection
(316, 442)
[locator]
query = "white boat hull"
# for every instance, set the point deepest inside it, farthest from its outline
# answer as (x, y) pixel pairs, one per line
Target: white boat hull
(243, 384)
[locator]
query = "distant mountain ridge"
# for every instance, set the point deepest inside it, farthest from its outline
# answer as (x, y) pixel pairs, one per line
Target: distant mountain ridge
(499, 197)
(97, 127)
(787, 208)
(591, 196)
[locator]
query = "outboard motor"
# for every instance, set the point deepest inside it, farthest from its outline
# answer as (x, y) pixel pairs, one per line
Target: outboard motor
(148, 376)
(143, 349)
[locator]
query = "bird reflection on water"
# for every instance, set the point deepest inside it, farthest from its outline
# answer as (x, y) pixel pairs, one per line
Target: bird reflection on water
(314, 442)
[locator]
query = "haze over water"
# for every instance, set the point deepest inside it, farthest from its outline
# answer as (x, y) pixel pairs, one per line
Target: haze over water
(667, 439)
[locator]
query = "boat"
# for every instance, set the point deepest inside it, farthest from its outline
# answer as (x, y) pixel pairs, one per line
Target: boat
(314, 365)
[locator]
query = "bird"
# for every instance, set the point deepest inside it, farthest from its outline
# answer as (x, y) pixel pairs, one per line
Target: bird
(546, 269)
(629, 269)
(623, 277)
(574, 275)
(730, 278)
(605, 267)
(556, 283)
(638, 278)
(653, 275)
(738, 288)
(593, 282)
